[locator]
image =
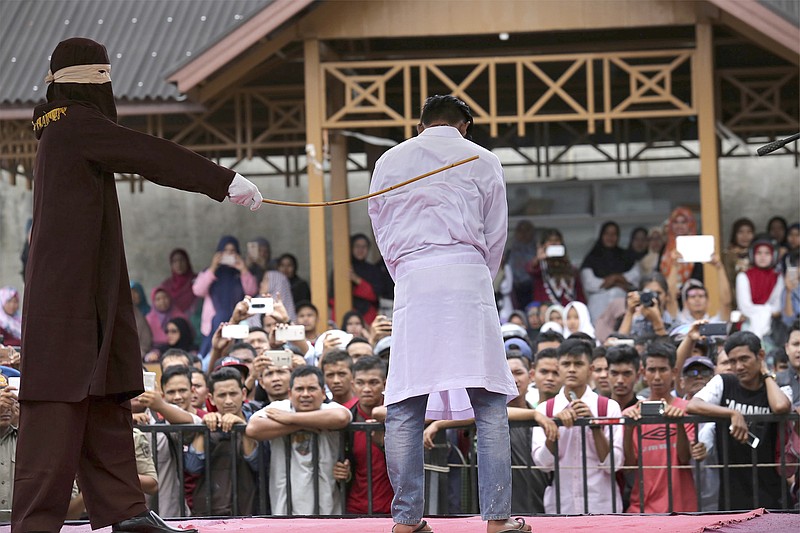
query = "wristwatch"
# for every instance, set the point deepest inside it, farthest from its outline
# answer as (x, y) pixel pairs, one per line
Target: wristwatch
(766, 375)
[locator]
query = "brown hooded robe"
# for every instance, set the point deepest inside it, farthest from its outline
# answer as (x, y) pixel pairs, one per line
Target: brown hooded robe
(80, 350)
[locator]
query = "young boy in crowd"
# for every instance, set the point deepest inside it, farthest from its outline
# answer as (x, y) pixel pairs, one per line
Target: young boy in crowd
(369, 381)
(660, 448)
(337, 367)
(576, 400)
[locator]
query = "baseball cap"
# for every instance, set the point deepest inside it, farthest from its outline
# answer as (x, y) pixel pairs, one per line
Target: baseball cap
(510, 330)
(383, 345)
(518, 347)
(235, 363)
(698, 360)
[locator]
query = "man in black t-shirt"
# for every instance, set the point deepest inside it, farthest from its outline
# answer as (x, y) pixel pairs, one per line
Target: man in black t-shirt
(750, 391)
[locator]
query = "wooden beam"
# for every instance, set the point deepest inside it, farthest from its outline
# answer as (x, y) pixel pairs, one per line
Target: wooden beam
(704, 102)
(244, 66)
(340, 228)
(317, 253)
(237, 42)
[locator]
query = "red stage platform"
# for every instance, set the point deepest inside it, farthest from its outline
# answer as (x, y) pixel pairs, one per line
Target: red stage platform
(753, 521)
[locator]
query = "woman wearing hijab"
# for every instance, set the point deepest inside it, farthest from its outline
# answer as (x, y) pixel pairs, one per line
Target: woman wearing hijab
(366, 278)
(681, 222)
(637, 245)
(354, 324)
(10, 318)
(736, 256)
(655, 242)
(162, 312)
(179, 284)
(276, 284)
(577, 319)
(287, 264)
(259, 257)
(554, 278)
(759, 289)
(140, 310)
(608, 271)
(223, 284)
(180, 335)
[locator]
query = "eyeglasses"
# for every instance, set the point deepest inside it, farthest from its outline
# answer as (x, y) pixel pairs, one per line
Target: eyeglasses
(698, 373)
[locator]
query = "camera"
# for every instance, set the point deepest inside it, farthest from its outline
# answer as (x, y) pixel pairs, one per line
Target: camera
(652, 408)
(261, 306)
(648, 298)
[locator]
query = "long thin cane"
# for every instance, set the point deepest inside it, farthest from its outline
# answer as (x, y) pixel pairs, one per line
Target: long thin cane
(376, 193)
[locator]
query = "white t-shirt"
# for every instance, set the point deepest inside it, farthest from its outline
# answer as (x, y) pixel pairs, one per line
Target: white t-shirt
(302, 468)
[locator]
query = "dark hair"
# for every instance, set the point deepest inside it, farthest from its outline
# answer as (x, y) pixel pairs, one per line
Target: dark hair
(306, 370)
(243, 346)
(550, 232)
(597, 351)
(658, 277)
(778, 219)
(256, 330)
(525, 361)
(360, 236)
(547, 353)
(292, 259)
(225, 373)
(337, 356)
(582, 336)
(369, 362)
(445, 108)
(176, 370)
(778, 355)
(547, 336)
(660, 349)
(176, 352)
(576, 347)
(350, 314)
(194, 371)
(739, 224)
(186, 340)
(356, 340)
(305, 303)
(617, 355)
(743, 338)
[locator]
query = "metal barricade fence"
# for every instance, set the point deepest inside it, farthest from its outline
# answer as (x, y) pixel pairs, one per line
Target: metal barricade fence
(436, 472)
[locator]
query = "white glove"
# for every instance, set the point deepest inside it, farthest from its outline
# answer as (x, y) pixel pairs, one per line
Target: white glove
(244, 192)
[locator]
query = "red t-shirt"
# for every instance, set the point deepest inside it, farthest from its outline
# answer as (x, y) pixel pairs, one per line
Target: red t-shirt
(656, 488)
(382, 493)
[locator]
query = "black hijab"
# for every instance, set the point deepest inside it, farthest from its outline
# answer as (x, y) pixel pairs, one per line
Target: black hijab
(606, 261)
(366, 270)
(80, 51)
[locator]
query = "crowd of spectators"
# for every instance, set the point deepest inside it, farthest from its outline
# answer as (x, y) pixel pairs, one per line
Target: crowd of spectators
(625, 328)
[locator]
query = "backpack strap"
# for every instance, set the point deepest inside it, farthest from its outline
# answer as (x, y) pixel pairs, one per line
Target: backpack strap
(602, 406)
(549, 406)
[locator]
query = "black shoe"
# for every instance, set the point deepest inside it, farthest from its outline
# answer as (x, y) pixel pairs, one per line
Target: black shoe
(149, 523)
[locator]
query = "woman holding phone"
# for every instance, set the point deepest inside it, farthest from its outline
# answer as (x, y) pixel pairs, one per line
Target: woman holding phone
(555, 280)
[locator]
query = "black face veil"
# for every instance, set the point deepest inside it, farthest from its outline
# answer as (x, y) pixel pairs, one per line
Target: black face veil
(80, 51)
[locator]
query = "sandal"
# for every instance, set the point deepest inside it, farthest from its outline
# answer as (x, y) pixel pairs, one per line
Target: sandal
(520, 521)
(420, 527)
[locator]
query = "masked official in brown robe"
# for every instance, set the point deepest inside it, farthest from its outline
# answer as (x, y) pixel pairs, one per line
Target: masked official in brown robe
(80, 359)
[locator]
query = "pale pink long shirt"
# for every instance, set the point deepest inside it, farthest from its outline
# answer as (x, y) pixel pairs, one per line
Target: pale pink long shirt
(201, 286)
(442, 239)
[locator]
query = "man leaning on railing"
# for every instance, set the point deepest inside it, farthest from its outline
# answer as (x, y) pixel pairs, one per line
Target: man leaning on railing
(752, 390)
(226, 386)
(304, 427)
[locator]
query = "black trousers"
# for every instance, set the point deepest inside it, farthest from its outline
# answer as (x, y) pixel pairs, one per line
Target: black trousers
(93, 438)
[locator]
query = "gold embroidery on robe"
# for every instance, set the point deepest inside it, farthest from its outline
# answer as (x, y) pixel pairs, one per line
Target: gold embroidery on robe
(50, 116)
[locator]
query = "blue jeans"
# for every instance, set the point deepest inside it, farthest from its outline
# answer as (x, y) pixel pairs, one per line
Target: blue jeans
(405, 422)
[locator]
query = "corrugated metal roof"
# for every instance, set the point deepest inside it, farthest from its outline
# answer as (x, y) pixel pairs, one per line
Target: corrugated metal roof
(146, 40)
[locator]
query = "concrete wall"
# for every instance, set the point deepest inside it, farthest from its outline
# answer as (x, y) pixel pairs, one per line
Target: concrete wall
(159, 219)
